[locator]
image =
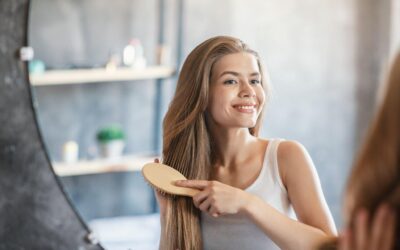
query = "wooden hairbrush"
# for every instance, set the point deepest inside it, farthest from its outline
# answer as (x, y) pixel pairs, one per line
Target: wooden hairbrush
(162, 178)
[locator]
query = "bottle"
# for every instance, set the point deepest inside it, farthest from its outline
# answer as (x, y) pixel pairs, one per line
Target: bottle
(140, 61)
(129, 54)
(70, 152)
(133, 55)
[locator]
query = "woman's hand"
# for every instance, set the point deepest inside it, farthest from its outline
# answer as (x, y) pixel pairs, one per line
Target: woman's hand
(216, 198)
(379, 234)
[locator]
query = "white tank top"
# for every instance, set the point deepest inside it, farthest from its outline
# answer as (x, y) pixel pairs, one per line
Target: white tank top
(235, 232)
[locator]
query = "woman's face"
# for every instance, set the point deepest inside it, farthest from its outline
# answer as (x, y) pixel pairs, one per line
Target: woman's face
(236, 94)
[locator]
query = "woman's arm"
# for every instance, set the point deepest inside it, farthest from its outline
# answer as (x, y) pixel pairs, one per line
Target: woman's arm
(304, 189)
(284, 231)
(301, 181)
(299, 177)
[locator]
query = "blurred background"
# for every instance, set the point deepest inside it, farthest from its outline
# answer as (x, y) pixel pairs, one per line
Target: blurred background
(104, 72)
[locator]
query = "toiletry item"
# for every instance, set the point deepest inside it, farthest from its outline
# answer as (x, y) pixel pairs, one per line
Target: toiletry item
(36, 67)
(70, 152)
(133, 55)
(140, 60)
(129, 54)
(26, 53)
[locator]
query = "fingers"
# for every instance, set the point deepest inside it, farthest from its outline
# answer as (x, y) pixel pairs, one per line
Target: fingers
(361, 229)
(377, 227)
(366, 234)
(213, 211)
(208, 206)
(200, 197)
(390, 236)
(383, 229)
(205, 205)
(345, 240)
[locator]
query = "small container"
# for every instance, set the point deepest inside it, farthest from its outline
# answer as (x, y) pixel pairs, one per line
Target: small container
(70, 152)
(36, 67)
(133, 55)
(129, 55)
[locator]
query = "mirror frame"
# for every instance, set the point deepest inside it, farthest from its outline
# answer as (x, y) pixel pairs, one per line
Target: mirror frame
(35, 210)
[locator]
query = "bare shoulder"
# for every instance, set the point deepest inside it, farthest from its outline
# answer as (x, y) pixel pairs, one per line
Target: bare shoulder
(292, 157)
(290, 151)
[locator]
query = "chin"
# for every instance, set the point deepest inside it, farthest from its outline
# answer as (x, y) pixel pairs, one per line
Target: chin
(249, 125)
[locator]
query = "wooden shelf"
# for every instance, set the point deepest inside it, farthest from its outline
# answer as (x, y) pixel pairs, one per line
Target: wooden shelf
(102, 165)
(78, 76)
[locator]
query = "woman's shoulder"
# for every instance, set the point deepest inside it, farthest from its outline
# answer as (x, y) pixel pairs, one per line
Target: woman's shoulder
(286, 147)
(290, 156)
(290, 148)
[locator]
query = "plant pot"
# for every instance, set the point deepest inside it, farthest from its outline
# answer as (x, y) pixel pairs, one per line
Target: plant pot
(112, 149)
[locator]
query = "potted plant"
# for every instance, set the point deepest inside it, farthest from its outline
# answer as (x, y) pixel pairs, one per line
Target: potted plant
(111, 141)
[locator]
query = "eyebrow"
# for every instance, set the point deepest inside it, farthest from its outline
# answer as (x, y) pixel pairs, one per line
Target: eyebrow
(237, 74)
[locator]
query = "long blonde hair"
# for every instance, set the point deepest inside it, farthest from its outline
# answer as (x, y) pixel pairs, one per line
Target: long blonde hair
(187, 145)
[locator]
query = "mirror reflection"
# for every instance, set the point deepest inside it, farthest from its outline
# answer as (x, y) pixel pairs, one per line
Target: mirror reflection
(104, 74)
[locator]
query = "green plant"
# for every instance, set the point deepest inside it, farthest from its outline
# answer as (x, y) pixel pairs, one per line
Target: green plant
(110, 133)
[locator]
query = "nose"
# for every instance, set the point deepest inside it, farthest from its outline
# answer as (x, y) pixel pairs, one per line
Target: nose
(247, 91)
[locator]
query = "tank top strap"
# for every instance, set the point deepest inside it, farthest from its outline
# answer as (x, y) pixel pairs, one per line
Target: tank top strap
(272, 162)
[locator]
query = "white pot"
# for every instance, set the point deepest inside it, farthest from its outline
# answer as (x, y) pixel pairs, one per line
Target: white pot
(112, 149)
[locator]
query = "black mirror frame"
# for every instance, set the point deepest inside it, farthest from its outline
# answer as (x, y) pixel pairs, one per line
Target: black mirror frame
(35, 212)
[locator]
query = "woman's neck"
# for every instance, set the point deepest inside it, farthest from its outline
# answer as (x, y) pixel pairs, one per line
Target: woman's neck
(233, 146)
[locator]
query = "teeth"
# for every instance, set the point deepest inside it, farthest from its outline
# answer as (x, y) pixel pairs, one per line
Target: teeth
(246, 107)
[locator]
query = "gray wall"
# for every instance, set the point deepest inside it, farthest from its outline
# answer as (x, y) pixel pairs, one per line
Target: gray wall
(324, 59)
(72, 34)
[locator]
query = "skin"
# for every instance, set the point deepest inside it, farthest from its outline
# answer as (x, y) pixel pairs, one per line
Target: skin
(369, 232)
(235, 82)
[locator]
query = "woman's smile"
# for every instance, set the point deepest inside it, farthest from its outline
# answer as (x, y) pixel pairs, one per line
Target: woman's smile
(246, 108)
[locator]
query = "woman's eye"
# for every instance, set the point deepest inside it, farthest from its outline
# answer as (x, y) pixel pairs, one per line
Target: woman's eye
(255, 81)
(230, 81)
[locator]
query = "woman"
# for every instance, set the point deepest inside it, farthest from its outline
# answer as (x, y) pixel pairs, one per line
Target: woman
(249, 185)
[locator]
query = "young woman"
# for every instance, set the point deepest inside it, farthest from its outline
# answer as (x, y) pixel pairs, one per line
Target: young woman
(249, 185)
